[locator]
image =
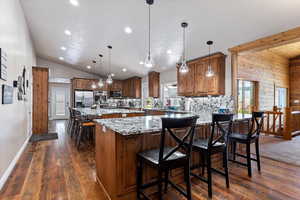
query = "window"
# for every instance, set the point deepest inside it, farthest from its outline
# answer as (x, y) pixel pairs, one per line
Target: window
(282, 97)
(246, 96)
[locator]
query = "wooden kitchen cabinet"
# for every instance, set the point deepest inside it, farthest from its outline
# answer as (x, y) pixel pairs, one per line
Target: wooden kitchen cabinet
(154, 84)
(185, 82)
(86, 84)
(132, 87)
(117, 85)
(195, 82)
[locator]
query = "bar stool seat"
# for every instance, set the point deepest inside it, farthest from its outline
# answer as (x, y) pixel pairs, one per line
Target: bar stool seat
(203, 144)
(152, 156)
(88, 124)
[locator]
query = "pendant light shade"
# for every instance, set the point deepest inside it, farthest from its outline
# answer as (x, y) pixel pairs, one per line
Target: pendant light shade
(100, 83)
(109, 79)
(149, 62)
(209, 72)
(184, 67)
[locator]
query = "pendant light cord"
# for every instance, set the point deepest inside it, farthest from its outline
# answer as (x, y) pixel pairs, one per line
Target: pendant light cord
(149, 36)
(209, 61)
(183, 56)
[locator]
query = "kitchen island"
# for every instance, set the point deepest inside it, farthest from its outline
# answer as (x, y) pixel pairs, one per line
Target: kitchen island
(118, 141)
(103, 113)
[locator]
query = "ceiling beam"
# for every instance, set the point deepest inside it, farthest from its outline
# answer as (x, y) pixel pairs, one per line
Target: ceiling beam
(287, 37)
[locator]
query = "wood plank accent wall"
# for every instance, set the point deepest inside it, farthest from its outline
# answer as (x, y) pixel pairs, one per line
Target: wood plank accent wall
(295, 81)
(40, 86)
(266, 68)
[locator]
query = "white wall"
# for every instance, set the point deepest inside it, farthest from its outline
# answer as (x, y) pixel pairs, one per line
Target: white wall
(62, 73)
(15, 119)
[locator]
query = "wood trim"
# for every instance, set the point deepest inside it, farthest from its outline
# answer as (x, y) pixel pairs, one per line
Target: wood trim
(234, 73)
(286, 37)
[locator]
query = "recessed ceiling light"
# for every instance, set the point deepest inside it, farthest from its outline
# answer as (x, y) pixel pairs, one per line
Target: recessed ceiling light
(128, 30)
(61, 58)
(124, 70)
(141, 63)
(67, 32)
(89, 67)
(63, 48)
(74, 2)
(169, 52)
(112, 74)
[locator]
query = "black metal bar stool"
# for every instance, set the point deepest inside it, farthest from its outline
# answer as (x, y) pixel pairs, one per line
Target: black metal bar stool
(217, 142)
(168, 158)
(86, 130)
(248, 139)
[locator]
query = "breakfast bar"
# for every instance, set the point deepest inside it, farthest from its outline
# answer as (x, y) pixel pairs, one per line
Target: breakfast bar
(118, 141)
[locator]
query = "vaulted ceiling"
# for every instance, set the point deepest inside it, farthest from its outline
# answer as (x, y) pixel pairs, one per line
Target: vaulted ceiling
(94, 24)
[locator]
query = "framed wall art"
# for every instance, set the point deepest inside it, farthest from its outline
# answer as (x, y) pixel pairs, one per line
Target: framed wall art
(7, 94)
(3, 65)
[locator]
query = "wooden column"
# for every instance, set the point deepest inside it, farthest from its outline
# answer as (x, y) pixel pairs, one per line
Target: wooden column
(234, 71)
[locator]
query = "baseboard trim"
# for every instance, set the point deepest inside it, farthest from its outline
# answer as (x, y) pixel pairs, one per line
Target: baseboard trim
(12, 164)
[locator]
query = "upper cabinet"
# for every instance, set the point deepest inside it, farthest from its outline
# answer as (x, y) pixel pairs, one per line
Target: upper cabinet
(86, 84)
(154, 84)
(117, 85)
(195, 82)
(132, 87)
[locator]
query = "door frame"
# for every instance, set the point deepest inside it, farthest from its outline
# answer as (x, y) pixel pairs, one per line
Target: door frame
(51, 99)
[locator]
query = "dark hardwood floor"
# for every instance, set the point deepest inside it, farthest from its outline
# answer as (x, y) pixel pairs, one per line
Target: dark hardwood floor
(56, 170)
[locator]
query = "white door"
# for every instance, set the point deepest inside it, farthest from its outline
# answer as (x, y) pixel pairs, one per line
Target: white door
(60, 101)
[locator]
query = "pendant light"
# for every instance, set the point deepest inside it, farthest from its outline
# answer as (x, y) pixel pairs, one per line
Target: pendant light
(209, 72)
(100, 83)
(149, 63)
(94, 86)
(184, 67)
(109, 79)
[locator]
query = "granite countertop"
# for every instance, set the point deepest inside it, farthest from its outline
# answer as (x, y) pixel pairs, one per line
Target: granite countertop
(147, 124)
(104, 111)
(167, 110)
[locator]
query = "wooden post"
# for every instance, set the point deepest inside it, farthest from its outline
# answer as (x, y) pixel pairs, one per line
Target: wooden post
(287, 135)
(234, 72)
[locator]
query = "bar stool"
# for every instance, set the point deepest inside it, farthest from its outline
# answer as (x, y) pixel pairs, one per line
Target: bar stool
(217, 142)
(168, 158)
(248, 139)
(76, 115)
(86, 130)
(70, 120)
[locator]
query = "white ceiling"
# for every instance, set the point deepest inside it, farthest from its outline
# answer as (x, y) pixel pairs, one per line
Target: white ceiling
(98, 23)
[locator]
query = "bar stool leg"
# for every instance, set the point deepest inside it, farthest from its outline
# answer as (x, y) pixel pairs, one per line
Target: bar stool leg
(166, 180)
(257, 154)
(208, 159)
(188, 182)
(249, 160)
(234, 151)
(159, 184)
(225, 163)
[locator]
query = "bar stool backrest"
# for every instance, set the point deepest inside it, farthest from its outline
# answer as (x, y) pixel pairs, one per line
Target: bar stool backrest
(221, 129)
(183, 143)
(256, 124)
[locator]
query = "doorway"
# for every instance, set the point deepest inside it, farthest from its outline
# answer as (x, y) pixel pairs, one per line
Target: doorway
(59, 101)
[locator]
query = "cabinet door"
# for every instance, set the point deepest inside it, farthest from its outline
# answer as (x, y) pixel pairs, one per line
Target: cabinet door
(154, 84)
(185, 85)
(212, 82)
(200, 78)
